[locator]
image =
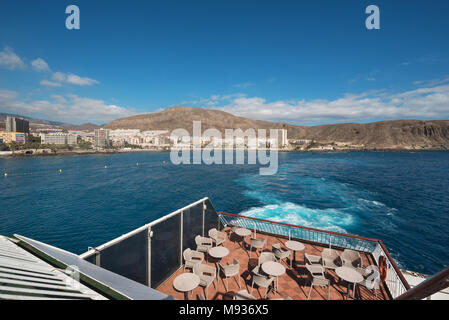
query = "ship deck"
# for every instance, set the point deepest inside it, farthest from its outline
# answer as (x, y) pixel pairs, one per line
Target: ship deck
(293, 284)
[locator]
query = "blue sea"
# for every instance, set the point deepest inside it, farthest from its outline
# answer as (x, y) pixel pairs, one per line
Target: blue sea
(400, 198)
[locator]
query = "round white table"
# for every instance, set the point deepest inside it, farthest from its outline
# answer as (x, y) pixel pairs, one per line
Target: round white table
(186, 282)
(218, 253)
(274, 269)
(242, 232)
(350, 275)
(294, 246)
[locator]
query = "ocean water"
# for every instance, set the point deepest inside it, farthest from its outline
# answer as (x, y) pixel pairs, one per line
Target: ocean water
(400, 198)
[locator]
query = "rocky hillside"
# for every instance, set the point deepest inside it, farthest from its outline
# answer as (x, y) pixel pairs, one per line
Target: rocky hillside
(183, 117)
(385, 134)
(396, 134)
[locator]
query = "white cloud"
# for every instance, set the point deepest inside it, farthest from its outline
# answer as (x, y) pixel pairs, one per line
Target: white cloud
(68, 108)
(39, 64)
(73, 79)
(10, 60)
(433, 82)
(50, 83)
(243, 85)
(422, 103)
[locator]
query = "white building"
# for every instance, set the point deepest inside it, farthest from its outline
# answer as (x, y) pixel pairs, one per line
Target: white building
(59, 138)
(282, 138)
(102, 137)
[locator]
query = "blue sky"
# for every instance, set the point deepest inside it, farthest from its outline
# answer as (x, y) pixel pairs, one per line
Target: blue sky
(302, 62)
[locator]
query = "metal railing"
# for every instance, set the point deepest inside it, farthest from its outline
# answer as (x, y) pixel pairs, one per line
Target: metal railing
(427, 288)
(395, 281)
(152, 253)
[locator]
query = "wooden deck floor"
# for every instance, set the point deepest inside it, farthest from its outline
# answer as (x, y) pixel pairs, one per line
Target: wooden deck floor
(293, 283)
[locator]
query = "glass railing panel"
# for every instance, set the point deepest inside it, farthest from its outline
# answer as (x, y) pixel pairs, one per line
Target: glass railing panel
(128, 258)
(210, 217)
(192, 220)
(92, 258)
(165, 249)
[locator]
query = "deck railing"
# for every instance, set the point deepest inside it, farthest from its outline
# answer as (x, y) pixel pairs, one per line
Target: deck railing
(395, 281)
(153, 252)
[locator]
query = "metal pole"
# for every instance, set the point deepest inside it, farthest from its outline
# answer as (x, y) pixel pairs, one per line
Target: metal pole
(204, 215)
(150, 234)
(181, 240)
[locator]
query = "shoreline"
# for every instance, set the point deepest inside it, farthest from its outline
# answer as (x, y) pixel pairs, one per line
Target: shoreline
(39, 153)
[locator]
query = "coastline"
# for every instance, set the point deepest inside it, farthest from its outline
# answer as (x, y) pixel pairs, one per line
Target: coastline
(66, 152)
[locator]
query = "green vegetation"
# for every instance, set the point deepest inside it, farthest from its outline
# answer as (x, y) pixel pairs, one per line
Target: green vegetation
(132, 146)
(4, 147)
(35, 143)
(82, 144)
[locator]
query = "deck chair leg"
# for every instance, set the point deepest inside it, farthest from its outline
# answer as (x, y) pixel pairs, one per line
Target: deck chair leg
(238, 281)
(311, 287)
(226, 284)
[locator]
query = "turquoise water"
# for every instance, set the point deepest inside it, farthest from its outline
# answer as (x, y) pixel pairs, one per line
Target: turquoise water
(400, 198)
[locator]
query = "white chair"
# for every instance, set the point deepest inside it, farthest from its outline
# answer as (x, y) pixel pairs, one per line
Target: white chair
(371, 278)
(231, 270)
(330, 259)
(312, 259)
(191, 257)
(266, 256)
(207, 275)
(257, 244)
(351, 258)
(203, 244)
(243, 295)
(279, 253)
(217, 236)
(261, 280)
(317, 278)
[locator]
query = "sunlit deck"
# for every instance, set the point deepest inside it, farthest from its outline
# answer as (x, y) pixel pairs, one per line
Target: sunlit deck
(293, 284)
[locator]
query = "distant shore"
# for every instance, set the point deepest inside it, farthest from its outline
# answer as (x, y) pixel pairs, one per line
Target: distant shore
(66, 152)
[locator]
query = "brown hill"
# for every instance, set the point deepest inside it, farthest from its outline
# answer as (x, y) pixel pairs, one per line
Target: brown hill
(395, 134)
(84, 126)
(385, 134)
(183, 117)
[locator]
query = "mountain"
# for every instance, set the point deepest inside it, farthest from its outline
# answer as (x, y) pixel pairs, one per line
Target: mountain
(39, 123)
(394, 134)
(183, 117)
(34, 123)
(84, 126)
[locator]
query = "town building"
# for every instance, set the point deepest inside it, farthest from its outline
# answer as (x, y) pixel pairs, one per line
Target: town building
(14, 124)
(59, 138)
(102, 137)
(282, 138)
(9, 137)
